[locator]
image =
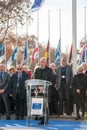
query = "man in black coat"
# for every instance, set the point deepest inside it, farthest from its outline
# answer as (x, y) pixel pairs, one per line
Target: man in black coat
(18, 91)
(43, 72)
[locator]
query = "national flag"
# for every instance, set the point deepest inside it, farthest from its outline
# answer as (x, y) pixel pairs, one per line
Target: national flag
(11, 60)
(35, 54)
(58, 53)
(25, 56)
(47, 52)
(37, 4)
(2, 52)
(83, 54)
(70, 54)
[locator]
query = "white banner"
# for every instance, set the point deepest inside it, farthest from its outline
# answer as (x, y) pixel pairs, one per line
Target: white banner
(37, 106)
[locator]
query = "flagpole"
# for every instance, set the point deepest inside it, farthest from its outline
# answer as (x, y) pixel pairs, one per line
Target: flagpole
(49, 36)
(27, 37)
(85, 33)
(38, 35)
(5, 45)
(16, 42)
(60, 29)
(74, 34)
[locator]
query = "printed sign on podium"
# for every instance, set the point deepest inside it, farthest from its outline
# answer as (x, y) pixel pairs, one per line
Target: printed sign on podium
(37, 106)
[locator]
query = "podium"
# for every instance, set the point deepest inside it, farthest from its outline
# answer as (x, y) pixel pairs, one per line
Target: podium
(37, 98)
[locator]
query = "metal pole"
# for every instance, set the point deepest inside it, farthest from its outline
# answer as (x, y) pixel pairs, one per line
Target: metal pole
(27, 38)
(16, 42)
(85, 33)
(60, 29)
(38, 36)
(74, 34)
(49, 36)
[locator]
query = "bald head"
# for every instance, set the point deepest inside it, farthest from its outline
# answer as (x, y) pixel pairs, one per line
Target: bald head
(43, 62)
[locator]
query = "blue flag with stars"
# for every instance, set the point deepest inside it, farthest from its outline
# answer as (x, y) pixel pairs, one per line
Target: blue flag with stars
(37, 4)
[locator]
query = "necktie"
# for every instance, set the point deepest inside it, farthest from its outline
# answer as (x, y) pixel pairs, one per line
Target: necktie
(19, 80)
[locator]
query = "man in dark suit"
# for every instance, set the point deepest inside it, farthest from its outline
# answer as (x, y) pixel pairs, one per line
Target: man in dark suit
(4, 81)
(18, 91)
(64, 83)
(43, 72)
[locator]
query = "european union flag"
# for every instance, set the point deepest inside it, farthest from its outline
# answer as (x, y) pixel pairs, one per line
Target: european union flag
(37, 4)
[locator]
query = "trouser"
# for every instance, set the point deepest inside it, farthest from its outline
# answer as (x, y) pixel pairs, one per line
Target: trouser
(64, 102)
(5, 99)
(78, 107)
(19, 106)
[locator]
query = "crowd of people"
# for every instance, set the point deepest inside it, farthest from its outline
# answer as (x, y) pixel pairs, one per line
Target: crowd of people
(66, 90)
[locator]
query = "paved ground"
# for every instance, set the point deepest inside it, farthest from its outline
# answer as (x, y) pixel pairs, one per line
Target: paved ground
(62, 122)
(53, 125)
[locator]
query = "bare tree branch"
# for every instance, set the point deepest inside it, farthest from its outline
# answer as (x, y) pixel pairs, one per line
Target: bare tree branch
(11, 11)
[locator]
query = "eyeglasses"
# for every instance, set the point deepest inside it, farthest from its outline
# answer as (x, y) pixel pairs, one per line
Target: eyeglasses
(19, 68)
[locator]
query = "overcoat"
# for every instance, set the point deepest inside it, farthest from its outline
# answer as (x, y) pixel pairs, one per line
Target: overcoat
(79, 82)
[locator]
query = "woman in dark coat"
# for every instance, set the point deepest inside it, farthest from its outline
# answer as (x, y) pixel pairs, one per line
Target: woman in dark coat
(79, 88)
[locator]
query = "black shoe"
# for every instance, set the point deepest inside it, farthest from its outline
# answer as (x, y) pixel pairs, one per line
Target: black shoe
(36, 118)
(41, 123)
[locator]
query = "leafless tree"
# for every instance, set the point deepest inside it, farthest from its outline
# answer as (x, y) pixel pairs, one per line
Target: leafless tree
(13, 12)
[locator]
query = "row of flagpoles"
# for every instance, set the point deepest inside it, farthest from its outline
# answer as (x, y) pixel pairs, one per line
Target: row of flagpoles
(35, 6)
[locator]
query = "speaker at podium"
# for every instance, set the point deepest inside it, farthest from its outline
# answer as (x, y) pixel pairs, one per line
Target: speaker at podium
(37, 97)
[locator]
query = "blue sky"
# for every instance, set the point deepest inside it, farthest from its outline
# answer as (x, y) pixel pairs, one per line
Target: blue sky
(66, 22)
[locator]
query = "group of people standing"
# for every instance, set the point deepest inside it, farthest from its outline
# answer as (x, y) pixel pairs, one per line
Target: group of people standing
(12, 88)
(66, 89)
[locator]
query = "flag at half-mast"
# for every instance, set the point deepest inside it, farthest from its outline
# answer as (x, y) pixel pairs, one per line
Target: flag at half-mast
(84, 54)
(35, 54)
(58, 53)
(37, 5)
(25, 56)
(70, 54)
(11, 60)
(2, 52)
(47, 52)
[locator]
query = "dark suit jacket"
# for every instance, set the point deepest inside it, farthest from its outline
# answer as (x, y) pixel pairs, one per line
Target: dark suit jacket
(5, 81)
(14, 81)
(45, 74)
